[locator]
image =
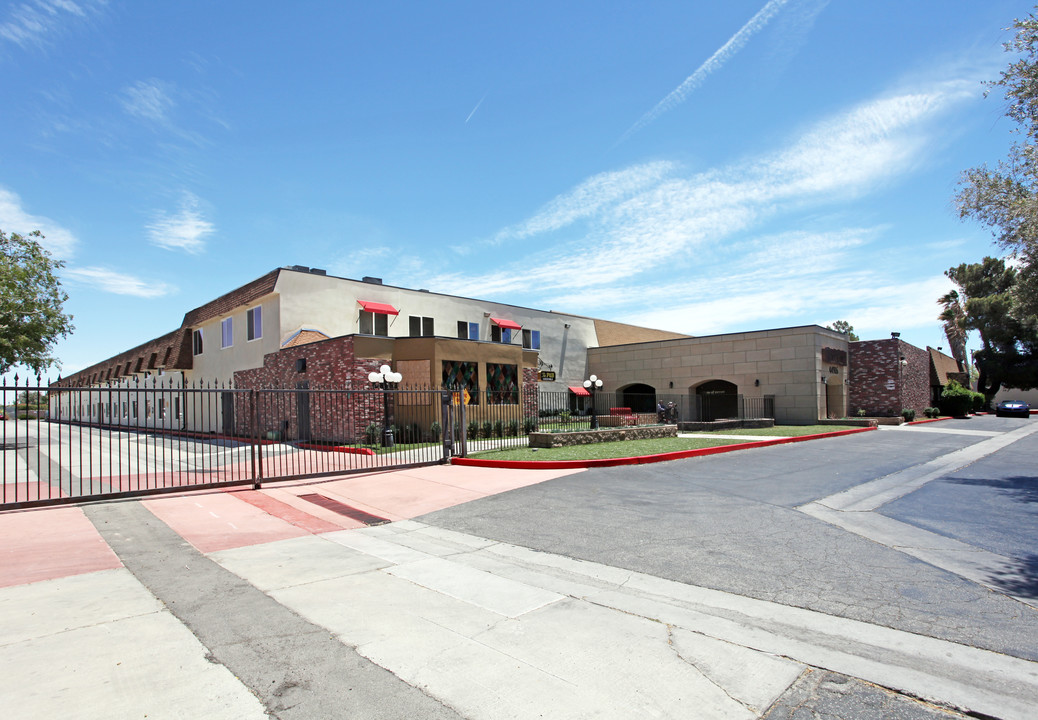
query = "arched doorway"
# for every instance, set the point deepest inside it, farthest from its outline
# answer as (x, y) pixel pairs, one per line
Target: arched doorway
(717, 400)
(641, 398)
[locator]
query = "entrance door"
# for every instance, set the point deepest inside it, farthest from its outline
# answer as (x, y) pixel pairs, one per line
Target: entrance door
(719, 400)
(835, 398)
(227, 411)
(303, 411)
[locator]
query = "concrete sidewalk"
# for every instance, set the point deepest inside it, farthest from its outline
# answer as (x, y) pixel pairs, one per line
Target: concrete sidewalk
(285, 602)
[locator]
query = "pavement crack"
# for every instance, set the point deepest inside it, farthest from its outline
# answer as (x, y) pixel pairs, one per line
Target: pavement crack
(693, 664)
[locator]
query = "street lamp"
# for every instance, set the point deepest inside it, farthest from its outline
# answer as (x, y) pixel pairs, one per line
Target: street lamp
(387, 379)
(592, 384)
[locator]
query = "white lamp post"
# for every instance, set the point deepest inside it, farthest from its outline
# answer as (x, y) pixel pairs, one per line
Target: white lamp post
(386, 379)
(592, 384)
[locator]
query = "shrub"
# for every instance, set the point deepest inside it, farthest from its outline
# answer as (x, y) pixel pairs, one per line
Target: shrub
(529, 425)
(499, 428)
(435, 430)
(956, 400)
(513, 428)
(473, 430)
(979, 402)
(908, 414)
(565, 415)
(488, 429)
(372, 433)
(861, 412)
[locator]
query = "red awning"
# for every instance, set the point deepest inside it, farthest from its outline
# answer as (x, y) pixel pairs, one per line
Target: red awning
(510, 324)
(578, 390)
(379, 308)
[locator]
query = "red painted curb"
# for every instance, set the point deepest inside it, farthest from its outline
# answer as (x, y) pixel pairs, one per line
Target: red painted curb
(338, 448)
(643, 459)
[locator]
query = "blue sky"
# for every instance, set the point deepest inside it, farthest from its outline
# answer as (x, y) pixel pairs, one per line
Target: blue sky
(698, 167)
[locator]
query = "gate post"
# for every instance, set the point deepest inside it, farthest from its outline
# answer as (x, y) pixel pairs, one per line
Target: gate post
(447, 423)
(254, 437)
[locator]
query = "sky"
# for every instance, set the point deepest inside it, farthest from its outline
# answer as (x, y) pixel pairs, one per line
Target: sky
(699, 167)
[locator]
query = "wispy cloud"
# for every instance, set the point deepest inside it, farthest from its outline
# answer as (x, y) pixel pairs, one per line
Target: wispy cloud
(735, 43)
(588, 199)
(186, 230)
(14, 218)
(117, 283)
(148, 100)
(652, 235)
(32, 23)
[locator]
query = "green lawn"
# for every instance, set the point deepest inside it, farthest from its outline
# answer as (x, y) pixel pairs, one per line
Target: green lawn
(600, 451)
(780, 430)
(632, 448)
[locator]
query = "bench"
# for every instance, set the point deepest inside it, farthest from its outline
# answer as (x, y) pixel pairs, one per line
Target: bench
(623, 415)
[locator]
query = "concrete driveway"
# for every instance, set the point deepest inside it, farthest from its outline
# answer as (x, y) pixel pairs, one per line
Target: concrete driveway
(886, 574)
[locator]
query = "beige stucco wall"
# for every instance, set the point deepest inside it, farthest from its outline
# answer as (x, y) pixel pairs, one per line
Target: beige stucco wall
(787, 362)
(129, 401)
(330, 305)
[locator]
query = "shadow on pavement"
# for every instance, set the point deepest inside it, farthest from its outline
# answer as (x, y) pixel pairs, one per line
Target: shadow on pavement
(1020, 579)
(1021, 488)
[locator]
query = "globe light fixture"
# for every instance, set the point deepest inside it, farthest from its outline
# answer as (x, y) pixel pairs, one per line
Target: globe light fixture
(387, 379)
(592, 384)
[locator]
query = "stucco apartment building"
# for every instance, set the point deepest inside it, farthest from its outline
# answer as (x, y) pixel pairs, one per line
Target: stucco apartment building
(298, 328)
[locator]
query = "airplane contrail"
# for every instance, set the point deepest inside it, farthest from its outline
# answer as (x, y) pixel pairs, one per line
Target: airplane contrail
(475, 108)
(715, 61)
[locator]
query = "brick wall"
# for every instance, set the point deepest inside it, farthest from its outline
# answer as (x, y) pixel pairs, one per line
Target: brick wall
(330, 365)
(531, 392)
(880, 385)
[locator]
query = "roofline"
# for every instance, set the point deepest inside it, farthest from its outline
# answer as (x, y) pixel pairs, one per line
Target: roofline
(720, 335)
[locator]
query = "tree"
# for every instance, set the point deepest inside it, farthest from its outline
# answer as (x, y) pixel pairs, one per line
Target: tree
(31, 300)
(844, 327)
(954, 318)
(1009, 341)
(1006, 198)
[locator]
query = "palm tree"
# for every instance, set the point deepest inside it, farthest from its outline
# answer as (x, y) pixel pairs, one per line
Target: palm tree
(954, 318)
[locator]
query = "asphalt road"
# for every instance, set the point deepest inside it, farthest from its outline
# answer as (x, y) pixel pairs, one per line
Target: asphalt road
(734, 522)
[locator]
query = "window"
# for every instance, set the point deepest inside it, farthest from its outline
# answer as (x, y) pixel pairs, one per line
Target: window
(421, 326)
(374, 323)
(176, 408)
(162, 408)
(532, 339)
(227, 333)
(254, 323)
(501, 334)
(502, 384)
(468, 330)
(196, 342)
(460, 376)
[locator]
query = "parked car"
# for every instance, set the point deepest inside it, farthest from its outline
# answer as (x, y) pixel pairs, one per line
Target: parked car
(1013, 408)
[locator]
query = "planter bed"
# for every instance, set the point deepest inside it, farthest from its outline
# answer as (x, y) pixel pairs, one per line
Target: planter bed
(726, 425)
(564, 439)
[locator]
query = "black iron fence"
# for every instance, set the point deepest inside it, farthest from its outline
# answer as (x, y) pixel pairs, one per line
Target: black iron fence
(64, 444)
(152, 435)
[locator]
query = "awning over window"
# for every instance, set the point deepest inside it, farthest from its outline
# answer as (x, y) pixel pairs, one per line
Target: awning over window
(510, 324)
(578, 390)
(378, 308)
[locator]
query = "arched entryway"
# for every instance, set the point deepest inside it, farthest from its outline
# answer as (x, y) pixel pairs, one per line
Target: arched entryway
(717, 400)
(641, 398)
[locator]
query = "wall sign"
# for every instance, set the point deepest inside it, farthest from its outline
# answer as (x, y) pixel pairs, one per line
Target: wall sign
(547, 376)
(832, 356)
